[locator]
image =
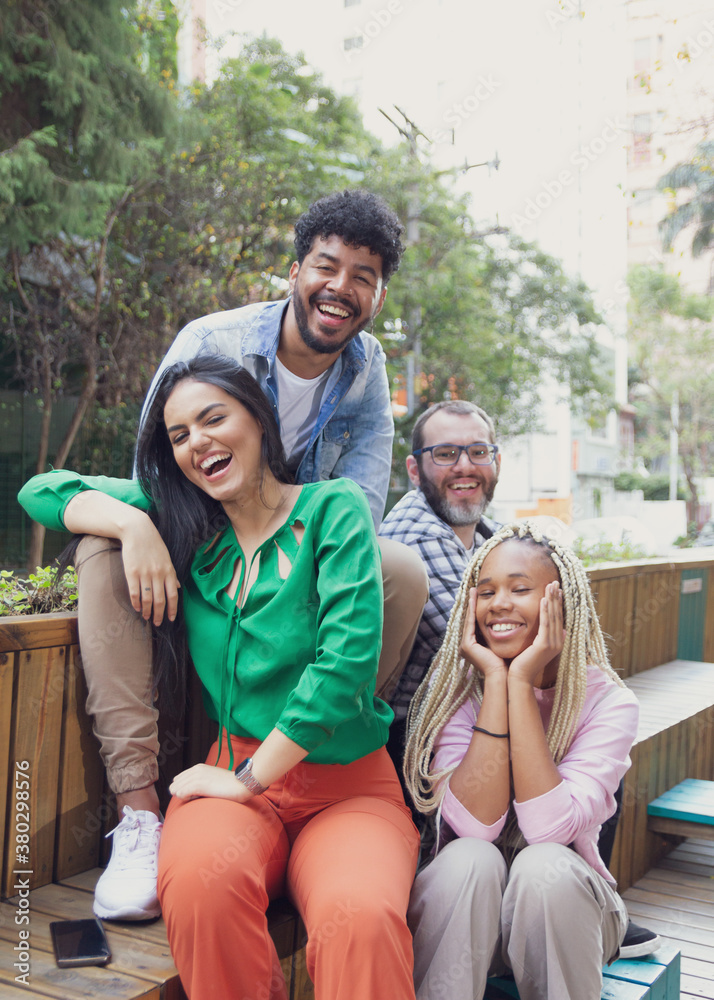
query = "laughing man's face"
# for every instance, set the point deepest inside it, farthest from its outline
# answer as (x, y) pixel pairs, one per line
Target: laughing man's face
(336, 292)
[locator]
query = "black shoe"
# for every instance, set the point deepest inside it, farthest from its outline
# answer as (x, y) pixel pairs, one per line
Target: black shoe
(638, 942)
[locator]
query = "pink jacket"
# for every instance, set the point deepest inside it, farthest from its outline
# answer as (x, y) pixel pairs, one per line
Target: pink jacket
(572, 812)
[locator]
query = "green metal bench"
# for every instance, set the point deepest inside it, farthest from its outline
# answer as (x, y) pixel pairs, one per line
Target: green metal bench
(687, 810)
(655, 977)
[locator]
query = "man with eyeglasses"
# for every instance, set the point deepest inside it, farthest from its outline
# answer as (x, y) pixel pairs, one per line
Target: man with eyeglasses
(454, 466)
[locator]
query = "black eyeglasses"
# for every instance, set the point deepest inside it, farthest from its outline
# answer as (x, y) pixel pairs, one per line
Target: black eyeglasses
(479, 453)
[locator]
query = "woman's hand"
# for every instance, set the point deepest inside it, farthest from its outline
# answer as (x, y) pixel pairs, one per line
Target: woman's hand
(150, 575)
(206, 780)
(474, 651)
(529, 665)
(149, 572)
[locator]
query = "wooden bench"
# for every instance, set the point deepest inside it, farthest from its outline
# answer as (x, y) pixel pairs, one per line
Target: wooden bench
(141, 963)
(675, 741)
(687, 810)
(46, 739)
(655, 977)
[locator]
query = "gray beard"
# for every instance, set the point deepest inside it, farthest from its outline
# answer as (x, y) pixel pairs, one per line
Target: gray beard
(456, 515)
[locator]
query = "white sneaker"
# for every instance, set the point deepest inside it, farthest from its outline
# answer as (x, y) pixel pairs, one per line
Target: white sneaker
(127, 887)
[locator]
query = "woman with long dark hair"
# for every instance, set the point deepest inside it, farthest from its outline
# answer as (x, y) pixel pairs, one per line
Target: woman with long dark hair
(281, 609)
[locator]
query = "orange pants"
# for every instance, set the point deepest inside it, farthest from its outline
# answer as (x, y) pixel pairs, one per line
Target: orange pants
(337, 839)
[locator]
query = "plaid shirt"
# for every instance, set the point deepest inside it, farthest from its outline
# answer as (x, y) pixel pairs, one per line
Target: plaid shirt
(413, 522)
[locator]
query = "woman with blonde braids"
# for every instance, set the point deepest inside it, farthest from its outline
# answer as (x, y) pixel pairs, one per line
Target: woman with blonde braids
(518, 738)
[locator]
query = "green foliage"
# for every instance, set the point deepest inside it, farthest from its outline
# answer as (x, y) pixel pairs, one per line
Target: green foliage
(40, 592)
(496, 314)
(655, 487)
(156, 24)
(690, 539)
(214, 229)
(592, 553)
(78, 118)
(697, 210)
(671, 357)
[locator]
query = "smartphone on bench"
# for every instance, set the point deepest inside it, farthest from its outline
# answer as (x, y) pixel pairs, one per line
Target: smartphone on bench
(79, 942)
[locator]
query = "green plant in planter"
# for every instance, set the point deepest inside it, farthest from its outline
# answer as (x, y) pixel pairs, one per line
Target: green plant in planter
(591, 553)
(39, 593)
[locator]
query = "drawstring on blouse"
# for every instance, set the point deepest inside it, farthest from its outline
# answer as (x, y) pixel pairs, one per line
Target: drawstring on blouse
(229, 654)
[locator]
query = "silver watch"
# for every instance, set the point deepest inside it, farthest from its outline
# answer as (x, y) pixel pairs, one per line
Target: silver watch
(244, 774)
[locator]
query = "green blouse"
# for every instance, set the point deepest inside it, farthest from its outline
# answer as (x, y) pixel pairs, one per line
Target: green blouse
(301, 654)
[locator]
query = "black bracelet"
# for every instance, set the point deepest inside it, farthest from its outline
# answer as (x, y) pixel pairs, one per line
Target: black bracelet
(498, 736)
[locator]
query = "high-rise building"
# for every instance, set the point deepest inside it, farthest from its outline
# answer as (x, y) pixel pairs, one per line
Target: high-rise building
(670, 107)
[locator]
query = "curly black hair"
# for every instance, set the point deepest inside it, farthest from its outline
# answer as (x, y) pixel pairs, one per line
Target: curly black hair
(362, 219)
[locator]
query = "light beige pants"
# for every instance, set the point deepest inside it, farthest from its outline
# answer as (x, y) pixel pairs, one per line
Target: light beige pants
(115, 644)
(551, 920)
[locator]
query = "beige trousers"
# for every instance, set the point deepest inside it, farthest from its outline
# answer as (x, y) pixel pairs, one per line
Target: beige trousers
(115, 644)
(551, 920)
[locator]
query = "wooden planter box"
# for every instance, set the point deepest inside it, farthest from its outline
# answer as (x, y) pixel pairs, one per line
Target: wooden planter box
(46, 739)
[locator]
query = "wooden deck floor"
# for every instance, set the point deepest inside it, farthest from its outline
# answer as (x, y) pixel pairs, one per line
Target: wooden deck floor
(677, 900)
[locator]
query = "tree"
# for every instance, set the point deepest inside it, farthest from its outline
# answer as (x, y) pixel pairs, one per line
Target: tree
(672, 352)
(81, 130)
(204, 222)
(697, 211)
(214, 229)
(496, 313)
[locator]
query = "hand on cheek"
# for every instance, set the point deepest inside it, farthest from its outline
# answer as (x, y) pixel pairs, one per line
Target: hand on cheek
(529, 665)
(473, 648)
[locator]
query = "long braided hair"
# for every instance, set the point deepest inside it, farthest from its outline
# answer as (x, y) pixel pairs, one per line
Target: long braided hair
(450, 681)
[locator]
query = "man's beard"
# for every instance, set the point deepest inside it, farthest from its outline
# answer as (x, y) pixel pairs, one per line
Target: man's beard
(457, 515)
(309, 338)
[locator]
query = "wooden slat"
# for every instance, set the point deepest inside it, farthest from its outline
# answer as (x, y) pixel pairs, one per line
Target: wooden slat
(652, 977)
(708, 646)
(664, 901)
(680, 828)
(623, 872)
(654, 632)
(614, 599)
(132, 953)
(303, 988)
(8, 992)
(18, 632)
(654, 845)
(7, 759)
(672, 692)
(676, 899)
(37, 725)
(680, 881)
(286, 928)
(691, 790)
(640, 856)
(64, 903)
(75, 984)
(141, 949)
(81, 806)
(675, 741)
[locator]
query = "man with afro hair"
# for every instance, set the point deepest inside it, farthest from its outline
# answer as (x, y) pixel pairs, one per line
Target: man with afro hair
(325, 378)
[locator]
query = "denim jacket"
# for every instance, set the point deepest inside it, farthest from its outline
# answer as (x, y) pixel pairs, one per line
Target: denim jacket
(354, 430)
